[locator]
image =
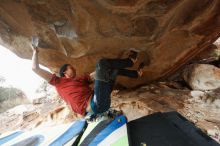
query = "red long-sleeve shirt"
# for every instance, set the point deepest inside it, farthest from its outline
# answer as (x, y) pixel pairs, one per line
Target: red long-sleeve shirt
(75, 91)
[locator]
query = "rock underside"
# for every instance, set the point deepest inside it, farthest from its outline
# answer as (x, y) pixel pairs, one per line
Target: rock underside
(168, 33)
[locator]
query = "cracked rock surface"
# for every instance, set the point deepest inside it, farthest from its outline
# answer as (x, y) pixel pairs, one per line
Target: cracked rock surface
(168, 33)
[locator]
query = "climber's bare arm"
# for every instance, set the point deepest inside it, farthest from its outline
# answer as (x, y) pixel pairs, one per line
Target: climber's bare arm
(36, 68)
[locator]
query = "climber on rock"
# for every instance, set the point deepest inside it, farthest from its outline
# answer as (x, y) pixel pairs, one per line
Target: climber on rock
(75, 90)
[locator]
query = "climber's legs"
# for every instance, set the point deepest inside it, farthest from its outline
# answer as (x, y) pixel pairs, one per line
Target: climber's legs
(116, 63)
(128, 73)
(106, 69)
(106, 73)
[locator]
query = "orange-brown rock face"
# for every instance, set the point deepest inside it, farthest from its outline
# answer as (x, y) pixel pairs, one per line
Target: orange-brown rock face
(168, 32)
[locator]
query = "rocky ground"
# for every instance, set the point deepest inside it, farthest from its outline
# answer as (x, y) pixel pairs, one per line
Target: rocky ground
(194, 105)
(135, 103)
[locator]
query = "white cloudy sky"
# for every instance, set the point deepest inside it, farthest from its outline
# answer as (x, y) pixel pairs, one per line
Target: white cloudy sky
(18, 72)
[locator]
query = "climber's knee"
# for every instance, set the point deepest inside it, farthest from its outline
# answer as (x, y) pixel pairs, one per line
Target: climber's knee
(102, 63)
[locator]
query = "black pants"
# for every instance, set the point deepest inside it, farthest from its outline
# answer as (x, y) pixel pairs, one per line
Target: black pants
(106, 74)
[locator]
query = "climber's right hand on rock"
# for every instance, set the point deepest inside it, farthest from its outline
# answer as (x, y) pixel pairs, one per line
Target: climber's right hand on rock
(34, 49)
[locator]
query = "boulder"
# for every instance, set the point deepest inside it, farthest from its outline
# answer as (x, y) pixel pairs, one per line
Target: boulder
(202, 77)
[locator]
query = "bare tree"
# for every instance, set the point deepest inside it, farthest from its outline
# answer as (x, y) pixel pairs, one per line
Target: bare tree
(45, 89)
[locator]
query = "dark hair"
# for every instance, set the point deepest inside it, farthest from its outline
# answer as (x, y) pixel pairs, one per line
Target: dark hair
(63, 69)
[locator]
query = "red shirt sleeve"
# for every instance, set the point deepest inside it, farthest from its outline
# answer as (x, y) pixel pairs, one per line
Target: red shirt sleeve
(86, 77)
(54, 80)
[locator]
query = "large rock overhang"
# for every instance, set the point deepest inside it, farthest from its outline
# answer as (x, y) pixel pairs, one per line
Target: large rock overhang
(80, 32)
